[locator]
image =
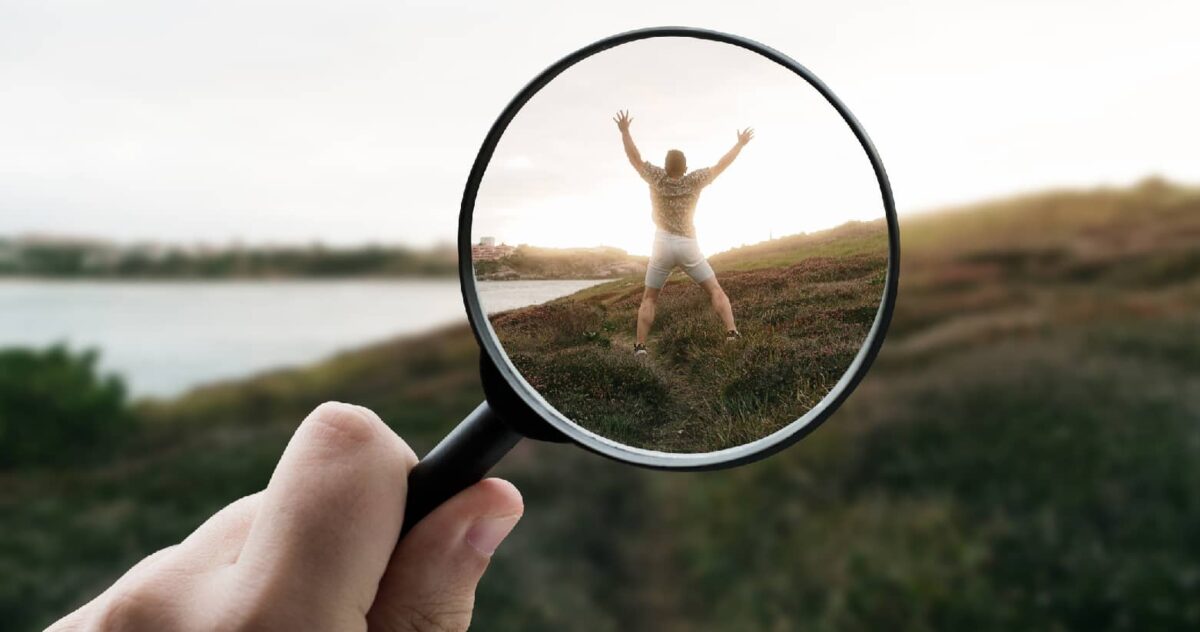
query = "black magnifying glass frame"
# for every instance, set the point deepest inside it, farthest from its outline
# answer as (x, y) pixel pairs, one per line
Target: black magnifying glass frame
(513, 409)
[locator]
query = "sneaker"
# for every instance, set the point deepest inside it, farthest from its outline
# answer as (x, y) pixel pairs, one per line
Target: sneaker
(733, 334)
(639, 349)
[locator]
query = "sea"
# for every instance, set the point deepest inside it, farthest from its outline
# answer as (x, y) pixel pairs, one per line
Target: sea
(164, 338)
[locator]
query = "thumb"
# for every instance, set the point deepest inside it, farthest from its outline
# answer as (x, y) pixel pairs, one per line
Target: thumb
(431, 578)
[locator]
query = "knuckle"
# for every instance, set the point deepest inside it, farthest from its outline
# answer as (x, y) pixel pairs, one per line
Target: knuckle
(266, 603)
(252, 605)
(450, 616)
(253, 619)
(343, 426)
(344, 429)
(133, 608)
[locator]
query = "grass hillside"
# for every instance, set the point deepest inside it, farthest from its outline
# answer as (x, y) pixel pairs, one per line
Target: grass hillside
(1025, 455)
(804, 305)
(852, 239)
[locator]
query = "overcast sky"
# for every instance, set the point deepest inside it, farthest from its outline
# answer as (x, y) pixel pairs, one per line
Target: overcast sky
(348, 122)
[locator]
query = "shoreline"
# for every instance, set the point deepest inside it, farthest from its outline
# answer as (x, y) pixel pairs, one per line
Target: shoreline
(164, 339)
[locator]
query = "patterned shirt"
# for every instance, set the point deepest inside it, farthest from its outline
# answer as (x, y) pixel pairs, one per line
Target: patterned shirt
(674, 199)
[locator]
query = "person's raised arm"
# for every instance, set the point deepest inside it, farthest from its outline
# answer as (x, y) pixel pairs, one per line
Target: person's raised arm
(623, 120)
(743, 137)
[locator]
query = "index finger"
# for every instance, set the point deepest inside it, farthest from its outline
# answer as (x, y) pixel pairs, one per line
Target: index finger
(331, 515)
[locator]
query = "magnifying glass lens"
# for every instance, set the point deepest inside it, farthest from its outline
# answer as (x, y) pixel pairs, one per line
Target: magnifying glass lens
(680, 246)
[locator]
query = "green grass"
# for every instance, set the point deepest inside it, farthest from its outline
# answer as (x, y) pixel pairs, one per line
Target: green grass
(853, 239)
(1025, 454)
(804, 305)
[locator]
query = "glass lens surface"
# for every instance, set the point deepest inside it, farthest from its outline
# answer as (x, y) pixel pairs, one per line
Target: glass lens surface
(680, 245)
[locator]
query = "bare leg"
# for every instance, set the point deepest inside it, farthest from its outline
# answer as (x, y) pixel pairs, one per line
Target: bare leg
(720, 302)
(646, 313)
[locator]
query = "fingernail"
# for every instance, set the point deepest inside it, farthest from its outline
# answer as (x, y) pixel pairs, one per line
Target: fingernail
(487, 533)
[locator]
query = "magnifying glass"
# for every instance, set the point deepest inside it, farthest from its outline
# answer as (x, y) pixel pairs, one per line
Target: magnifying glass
(720, 241)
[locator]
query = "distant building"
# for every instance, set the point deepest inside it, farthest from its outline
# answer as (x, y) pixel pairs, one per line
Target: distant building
(487, 250)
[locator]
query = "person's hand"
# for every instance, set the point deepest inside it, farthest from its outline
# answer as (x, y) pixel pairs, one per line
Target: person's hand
(317, 550)
(745, 136)
(623, 120)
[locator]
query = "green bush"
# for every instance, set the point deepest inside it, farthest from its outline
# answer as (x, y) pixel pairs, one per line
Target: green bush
(56, 408)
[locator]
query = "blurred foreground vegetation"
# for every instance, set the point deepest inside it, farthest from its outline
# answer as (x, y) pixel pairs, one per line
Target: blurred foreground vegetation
(1024, 455)
(56, 409)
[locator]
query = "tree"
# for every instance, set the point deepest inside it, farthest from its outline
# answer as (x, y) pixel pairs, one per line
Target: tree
(56, 408)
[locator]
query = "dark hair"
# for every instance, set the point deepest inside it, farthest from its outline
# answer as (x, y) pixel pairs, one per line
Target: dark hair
(675, 164)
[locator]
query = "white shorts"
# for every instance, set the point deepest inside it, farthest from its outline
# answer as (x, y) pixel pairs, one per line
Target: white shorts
(672, 250)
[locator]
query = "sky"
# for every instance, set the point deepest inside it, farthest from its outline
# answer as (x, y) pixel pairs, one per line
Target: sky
(353, 122)
(560, 177)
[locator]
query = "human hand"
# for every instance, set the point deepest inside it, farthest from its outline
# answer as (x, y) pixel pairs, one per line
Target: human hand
(623, 120)
(745, 136)
(318, 550)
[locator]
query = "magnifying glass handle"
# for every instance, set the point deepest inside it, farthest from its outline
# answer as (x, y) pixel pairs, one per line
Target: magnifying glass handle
(459, 461)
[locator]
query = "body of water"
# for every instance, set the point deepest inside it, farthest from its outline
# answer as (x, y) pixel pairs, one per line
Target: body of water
(167, 337)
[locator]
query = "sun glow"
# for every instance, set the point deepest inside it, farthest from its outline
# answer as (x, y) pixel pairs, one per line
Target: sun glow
(560, 178)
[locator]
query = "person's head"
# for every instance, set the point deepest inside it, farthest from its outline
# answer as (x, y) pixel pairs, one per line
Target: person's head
(675, 164)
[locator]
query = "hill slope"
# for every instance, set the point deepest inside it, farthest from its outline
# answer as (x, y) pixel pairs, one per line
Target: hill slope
(804, 305)
(1025, 455)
